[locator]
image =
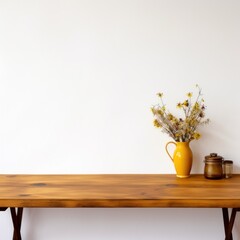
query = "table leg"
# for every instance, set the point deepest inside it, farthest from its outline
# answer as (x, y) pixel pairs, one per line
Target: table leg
(226, 223)
(231, 223)
(17, 220)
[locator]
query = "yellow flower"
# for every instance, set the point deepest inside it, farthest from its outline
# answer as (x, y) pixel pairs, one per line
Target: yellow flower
(160, 95)
(160, 112)
(189, 94)
(178, 135)
(196, 135)
(196, 106)
(156, 123)
(179, 105)
(185, 103)
(170, 116)
(153, 110)
(174, 120)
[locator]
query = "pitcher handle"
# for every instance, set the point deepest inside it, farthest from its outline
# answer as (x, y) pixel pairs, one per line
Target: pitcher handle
(166, 148)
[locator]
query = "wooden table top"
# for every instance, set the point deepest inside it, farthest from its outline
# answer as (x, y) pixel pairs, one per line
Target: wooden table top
(118, 190)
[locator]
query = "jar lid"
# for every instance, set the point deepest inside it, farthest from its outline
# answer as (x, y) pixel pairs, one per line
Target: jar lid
(213, 157)
(228, 162)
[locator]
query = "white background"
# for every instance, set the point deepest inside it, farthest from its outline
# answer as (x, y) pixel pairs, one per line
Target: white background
(77, 80)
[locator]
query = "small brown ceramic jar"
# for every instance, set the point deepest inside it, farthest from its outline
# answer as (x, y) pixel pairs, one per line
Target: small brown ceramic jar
(213, 166)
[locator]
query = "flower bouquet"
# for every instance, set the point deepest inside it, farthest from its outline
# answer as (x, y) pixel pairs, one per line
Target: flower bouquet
(181, 129)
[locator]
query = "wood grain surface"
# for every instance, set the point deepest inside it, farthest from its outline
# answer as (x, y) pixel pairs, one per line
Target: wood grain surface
(118, 190)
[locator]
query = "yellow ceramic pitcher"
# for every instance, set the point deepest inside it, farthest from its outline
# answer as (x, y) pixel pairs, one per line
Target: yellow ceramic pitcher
(182, 158)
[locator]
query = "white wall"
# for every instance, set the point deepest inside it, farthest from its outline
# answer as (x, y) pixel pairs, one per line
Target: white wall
(77, 80)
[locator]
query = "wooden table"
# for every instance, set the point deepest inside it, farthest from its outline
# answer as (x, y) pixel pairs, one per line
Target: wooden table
(118, 190)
